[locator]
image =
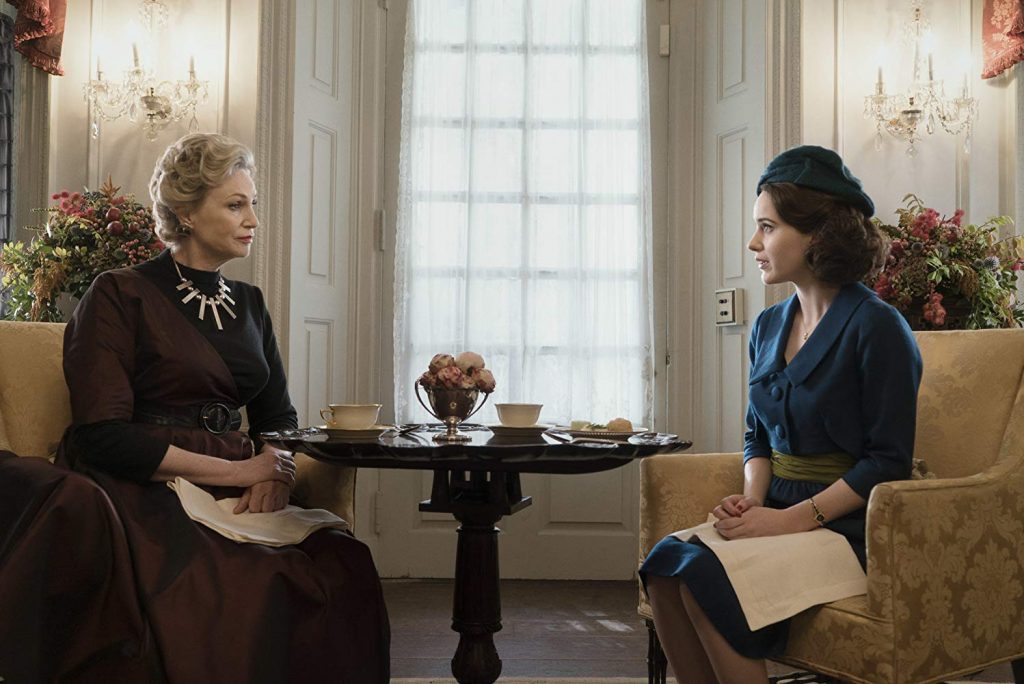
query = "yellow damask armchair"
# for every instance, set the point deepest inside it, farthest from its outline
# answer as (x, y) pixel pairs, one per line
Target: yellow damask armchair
(35, 409)
(945, 555)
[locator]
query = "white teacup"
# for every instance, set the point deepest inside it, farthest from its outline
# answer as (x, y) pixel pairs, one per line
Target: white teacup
(518, 415)
(351, 416)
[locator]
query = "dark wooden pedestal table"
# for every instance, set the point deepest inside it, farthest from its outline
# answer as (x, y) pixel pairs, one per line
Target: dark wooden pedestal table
(478, 483)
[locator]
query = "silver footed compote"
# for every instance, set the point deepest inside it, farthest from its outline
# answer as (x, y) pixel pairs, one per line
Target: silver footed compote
(451, 407)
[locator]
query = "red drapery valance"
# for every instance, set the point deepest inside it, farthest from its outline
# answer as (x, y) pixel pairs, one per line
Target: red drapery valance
(39, 32)
(1002, 35)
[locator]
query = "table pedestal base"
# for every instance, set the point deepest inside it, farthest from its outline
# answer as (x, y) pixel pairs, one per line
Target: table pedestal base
(477, 500)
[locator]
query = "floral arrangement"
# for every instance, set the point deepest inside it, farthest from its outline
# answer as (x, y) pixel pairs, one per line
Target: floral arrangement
(86, 234)
(465, 371)
(936, 261)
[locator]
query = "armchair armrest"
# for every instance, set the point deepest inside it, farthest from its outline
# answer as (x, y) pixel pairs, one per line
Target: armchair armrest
(951, 550)
(323, 485)
(679, 490)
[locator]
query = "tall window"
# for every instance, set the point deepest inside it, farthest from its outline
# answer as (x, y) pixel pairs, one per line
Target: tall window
(524, 221)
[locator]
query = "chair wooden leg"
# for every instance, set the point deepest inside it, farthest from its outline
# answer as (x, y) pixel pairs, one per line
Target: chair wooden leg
(657, 663)
(1018, 671)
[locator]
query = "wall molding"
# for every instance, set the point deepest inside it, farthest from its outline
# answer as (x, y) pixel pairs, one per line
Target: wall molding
(683, 379)
(274, 140)
(368, 370)
(31, 147)
(782, 73)
(783, 110)
(1018, 146)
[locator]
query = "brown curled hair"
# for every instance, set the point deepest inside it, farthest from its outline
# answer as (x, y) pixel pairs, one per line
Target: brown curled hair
(846, 247)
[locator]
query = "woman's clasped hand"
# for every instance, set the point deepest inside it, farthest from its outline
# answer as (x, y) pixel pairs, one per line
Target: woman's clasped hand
(739, 516)
(270, 478)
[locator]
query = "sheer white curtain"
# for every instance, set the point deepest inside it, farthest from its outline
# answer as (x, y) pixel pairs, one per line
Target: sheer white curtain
(524, 209)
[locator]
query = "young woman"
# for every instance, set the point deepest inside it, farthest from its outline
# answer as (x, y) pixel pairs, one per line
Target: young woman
(159, 359)
(832, 404)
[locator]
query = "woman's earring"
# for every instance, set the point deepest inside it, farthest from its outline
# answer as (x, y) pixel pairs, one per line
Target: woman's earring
(184, 228)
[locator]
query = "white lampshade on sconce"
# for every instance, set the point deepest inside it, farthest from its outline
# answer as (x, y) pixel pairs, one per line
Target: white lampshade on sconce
(923, 106)
(140, 97)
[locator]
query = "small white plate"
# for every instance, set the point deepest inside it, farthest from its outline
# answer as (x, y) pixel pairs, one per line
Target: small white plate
(528, 431)
(368, 433)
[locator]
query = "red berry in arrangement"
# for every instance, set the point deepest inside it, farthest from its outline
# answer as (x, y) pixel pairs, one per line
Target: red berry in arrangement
(55, 196)
(117, 200)
(64, 193)
(115, 228)
(113, 213)
(133, 226)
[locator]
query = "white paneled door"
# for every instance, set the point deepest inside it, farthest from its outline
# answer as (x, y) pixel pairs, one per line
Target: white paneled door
(732, 148)
(321, 202)
(579, 526)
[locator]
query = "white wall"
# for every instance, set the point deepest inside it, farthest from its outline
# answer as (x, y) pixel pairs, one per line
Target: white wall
(220, 34)
(841, 44)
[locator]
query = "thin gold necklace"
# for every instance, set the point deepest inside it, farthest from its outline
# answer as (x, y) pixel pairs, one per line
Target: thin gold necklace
(223, 295)
(807, 332)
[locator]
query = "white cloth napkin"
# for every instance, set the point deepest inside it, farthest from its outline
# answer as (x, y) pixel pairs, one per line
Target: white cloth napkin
(777, 577)
(290, 525)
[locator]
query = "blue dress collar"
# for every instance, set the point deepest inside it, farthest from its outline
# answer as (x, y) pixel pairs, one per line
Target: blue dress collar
(771, 357)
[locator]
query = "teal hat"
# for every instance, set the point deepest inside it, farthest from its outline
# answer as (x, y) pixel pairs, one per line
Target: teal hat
(817, 168)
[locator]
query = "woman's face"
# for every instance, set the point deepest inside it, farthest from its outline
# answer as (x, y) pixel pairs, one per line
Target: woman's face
(778, 247)
(224, 223)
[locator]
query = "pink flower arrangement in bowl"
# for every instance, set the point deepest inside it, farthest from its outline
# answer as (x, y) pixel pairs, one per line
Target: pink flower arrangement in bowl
(453, 384)
(465, 371)
(944, 273)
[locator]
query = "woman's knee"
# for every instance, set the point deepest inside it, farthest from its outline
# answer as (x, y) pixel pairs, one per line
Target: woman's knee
(662, 588)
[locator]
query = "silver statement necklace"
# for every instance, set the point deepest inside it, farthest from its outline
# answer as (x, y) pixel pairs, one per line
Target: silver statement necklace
(219, 300)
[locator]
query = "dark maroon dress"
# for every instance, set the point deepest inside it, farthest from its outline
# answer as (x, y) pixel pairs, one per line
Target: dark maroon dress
(104, 578)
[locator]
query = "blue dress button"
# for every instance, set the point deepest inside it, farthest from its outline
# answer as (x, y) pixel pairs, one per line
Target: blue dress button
(780, 431)
(776, 393)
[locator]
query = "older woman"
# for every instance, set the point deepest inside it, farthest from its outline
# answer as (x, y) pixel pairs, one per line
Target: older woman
(159, 359)
(834, 373)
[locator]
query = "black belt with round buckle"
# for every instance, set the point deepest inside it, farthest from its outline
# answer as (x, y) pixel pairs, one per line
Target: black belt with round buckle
(215, 417)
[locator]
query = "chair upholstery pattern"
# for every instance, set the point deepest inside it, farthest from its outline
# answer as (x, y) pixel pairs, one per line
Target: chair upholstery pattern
(34, 402)
(35, 409)
(945, 555)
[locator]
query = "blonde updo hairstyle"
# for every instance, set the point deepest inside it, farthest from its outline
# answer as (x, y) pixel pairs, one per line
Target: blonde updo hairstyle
(188, 170)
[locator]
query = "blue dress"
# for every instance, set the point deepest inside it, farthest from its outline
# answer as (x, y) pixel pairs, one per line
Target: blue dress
(851, 388)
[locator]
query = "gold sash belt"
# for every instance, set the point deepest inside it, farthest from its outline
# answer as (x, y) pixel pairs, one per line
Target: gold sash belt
(820, 468)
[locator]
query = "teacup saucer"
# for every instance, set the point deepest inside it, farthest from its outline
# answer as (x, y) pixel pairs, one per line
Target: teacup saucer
(367, 433)
(527, 431)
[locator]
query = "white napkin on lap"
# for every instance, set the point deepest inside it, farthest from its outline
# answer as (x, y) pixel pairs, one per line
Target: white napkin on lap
(777, 577)
(290, 525)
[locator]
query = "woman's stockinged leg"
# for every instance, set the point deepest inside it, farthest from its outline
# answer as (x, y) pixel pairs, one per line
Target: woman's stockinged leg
(679, 639)
(729, 666)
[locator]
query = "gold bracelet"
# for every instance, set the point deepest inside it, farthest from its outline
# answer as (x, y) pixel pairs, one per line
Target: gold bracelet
(819, 517)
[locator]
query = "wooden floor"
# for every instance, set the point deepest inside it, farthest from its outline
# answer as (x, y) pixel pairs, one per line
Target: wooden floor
(551, 629)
